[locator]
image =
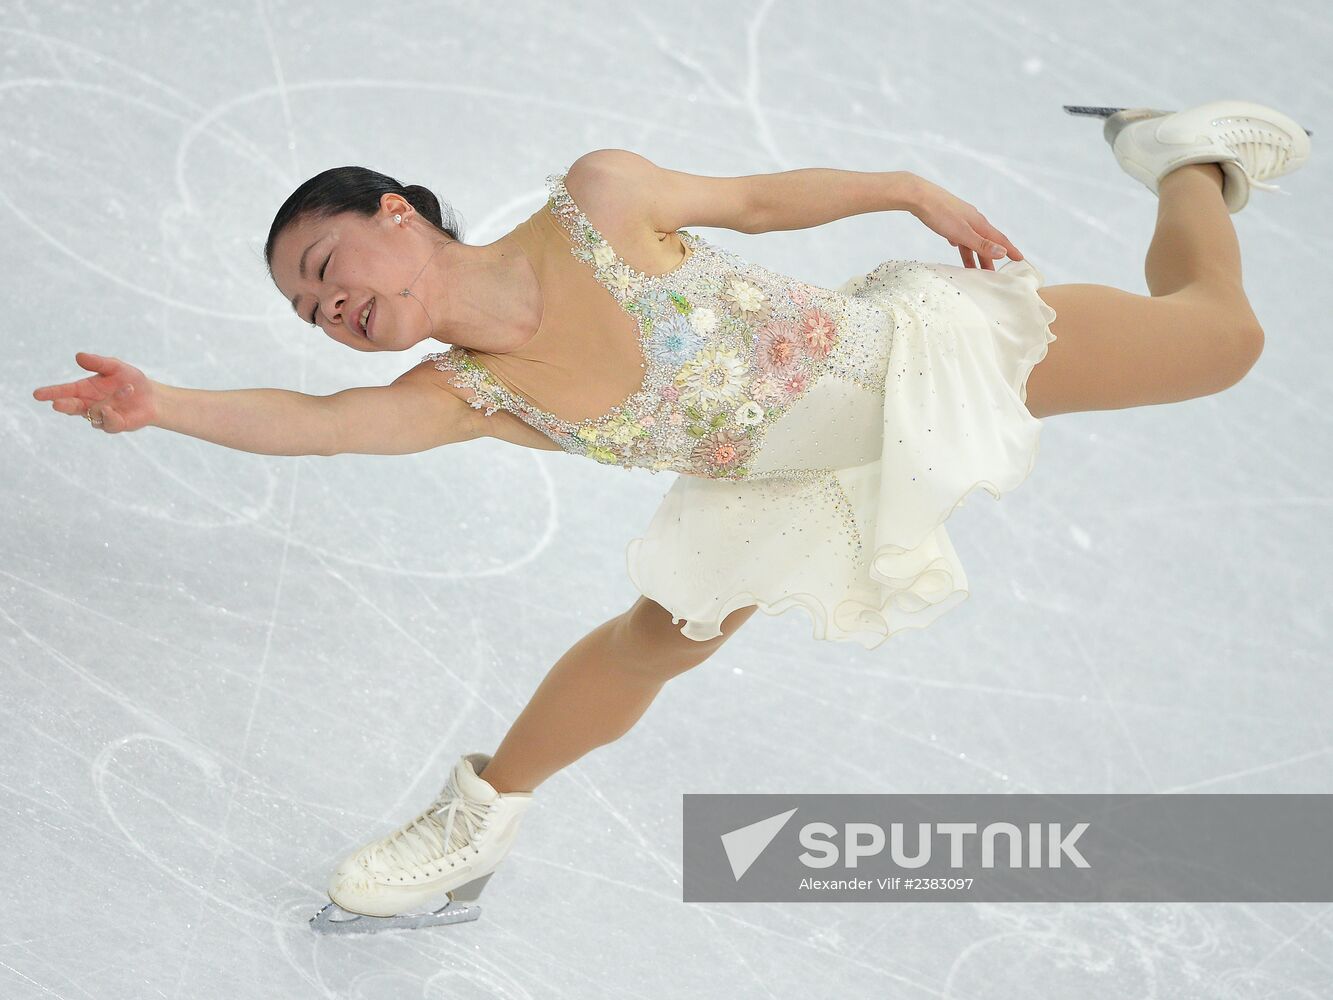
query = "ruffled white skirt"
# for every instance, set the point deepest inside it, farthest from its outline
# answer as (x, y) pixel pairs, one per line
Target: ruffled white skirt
(860, 542)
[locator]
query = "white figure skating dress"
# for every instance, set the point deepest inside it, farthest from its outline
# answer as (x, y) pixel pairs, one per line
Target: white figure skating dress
(821, 437)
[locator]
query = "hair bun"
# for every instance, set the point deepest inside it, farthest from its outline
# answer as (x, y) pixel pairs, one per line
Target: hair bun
(425, 202)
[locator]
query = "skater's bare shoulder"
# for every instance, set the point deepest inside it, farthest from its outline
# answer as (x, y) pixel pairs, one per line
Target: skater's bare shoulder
(667, 200)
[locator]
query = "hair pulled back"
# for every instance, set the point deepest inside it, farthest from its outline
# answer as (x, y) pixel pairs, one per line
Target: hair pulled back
(357, 190)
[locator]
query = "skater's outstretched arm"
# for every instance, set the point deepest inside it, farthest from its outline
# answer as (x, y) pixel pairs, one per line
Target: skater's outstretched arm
(796, 199)
(755, 203)
(411, 415)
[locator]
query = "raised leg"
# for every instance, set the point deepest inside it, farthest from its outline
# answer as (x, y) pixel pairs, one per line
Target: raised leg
(1194, 335)
(597, 691)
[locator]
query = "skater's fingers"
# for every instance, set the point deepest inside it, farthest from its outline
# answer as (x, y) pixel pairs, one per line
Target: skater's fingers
(107, 419)
(986, 247)
(104, 418)
(62, 391)
(986, 251)
(73, 406)
(994, 236)
(96, 362)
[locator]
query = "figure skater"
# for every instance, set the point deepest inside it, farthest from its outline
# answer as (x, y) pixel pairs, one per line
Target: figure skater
(821, 438)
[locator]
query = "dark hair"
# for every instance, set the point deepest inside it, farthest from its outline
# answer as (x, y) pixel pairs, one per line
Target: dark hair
(352, 189)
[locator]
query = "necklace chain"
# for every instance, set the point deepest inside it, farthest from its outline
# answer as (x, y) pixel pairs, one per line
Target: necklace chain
(407, 291)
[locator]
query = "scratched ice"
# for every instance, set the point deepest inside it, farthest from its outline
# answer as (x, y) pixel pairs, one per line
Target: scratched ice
(222, 670)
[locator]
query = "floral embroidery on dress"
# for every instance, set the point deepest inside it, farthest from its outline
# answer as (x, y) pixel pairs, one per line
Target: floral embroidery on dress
(728, 346)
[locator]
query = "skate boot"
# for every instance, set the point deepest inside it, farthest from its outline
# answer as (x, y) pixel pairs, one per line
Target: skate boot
(431, 870)
(1250, 142)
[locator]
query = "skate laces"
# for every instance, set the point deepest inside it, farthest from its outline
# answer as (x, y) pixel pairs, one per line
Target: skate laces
(448, 825)
(1262, 152)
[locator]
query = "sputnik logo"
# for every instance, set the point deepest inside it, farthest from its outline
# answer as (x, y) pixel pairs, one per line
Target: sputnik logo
(745, 844)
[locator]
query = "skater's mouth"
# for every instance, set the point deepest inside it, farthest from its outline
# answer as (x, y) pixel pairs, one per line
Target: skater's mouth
(355, 318)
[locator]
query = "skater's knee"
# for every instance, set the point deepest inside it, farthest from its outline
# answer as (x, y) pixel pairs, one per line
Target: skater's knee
(1223, 315)
(1238, 341)
(1249, 345)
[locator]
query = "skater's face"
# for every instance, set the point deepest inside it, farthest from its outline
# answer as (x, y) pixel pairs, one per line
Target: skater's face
(351, 260)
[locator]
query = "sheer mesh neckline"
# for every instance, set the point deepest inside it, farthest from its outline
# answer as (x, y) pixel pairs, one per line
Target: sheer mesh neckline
(618, 278)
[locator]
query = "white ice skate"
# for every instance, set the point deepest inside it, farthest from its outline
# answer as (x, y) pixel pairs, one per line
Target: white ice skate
(431, 870)
(1250, 142)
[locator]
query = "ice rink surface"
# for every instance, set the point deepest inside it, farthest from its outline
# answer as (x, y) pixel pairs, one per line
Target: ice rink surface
(224, 670)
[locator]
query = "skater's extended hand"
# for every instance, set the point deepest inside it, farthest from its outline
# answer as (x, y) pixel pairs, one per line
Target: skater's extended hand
(963, 226)
(119, 395)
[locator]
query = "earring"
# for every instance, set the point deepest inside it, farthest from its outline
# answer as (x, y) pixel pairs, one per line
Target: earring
(397, 218)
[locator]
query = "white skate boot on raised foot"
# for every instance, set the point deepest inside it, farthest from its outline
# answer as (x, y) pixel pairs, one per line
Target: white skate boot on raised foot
(431, 870)
(1250, 142)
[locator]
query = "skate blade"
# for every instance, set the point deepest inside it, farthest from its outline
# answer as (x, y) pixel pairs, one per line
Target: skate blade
(333, 919)
(1080, 109)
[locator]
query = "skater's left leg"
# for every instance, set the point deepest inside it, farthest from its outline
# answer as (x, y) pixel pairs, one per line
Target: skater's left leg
(597, 691)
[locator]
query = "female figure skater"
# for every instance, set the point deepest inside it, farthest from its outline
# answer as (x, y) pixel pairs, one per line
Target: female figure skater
(822, 437)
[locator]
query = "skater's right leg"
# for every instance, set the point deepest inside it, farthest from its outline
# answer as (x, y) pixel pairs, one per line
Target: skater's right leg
(597, 691)
(1194, 335)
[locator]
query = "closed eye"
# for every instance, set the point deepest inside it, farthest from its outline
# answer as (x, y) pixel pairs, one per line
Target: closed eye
(322, 268)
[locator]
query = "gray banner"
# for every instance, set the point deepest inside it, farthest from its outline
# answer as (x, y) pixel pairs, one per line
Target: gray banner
(1020, 848)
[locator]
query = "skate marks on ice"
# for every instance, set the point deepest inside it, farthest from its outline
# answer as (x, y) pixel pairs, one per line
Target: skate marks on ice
(108, 772)
(106, 776)
(1096, 112)
(131, 777)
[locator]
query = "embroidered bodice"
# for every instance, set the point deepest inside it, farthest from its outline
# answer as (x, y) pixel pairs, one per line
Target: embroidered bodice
(729, 349)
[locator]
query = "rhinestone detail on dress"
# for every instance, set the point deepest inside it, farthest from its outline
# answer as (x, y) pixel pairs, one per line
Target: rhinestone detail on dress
(729, 347)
